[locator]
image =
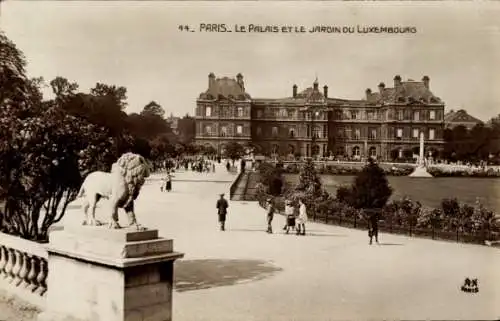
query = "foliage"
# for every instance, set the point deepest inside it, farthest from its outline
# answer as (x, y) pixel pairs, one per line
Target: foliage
(271, 177)
(370, 189)
(234, 151)
(309, 188)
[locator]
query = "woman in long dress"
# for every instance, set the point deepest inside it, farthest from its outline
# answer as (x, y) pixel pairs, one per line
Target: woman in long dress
(302, 219)
(168, 182)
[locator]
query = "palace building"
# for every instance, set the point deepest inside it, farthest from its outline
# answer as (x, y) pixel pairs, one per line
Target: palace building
(385, 124)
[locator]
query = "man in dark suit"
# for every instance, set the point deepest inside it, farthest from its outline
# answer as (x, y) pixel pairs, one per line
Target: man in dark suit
(222, 206)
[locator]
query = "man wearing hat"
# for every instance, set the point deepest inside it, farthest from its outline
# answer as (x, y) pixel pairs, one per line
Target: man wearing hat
(222, 206)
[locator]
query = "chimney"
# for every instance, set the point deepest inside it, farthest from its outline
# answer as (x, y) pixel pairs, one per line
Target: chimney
(211, 80)
(368, 92)
(381, 87)
(397, 81)
(426, 81)
(315, 84)
(325, 91)
(294, 91)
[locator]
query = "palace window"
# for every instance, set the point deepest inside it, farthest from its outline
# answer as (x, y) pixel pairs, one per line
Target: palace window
(223, 131)
(415, 133)
(283, 112)
(416, 116)
(208, 111)
(259, 131)
(240, 111)
(373, 152)
(274, 131)
(432, 115)
(291, 114)
(354, 114)
(399, 133)
(325, 131)
(239, 129)
(357, 134)
(208, 129)
(356, 151)
(317, 132)
(432, 134)
(291, 132)
(259, 113)
(372, 133)
(370, 115)
(400, 115)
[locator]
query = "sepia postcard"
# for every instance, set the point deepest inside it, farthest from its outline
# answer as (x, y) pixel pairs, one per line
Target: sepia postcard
(250, 160)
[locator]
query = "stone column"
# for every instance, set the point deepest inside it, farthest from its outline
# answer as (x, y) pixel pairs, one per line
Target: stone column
(99, 274)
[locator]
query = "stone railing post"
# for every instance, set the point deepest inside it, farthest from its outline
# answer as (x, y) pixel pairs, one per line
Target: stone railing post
(109, 274)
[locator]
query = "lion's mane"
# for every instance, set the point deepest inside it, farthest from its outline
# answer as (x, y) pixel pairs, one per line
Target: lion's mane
(134, 169)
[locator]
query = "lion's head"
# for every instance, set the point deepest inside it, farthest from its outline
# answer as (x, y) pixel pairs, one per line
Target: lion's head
(134, 169)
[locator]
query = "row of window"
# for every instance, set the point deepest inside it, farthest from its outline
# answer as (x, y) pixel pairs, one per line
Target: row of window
(338, 115)
(416, 133)
(416, 115)
(223, 130)
(239, 112)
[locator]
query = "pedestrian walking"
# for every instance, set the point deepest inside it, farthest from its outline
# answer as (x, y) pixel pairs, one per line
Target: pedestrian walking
(270, 215)
(302, 219)
(222, 206)
(373, 217)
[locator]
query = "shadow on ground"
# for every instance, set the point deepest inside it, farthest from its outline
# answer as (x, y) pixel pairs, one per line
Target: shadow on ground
(193, 275)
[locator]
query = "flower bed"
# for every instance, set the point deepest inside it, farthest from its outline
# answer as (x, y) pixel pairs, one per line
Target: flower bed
(437, 170)
(453, 221)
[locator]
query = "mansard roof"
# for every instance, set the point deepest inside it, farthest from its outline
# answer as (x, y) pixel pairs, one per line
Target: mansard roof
(460, 116)
(406, 92)
(227, 88)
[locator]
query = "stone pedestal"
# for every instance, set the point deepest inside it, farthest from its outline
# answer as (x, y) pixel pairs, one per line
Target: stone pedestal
(100, 274)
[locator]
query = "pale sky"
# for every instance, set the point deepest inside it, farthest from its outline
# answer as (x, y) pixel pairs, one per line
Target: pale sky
(138, 45)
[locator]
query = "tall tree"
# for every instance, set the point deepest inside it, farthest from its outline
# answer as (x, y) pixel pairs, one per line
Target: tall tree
(153, 108)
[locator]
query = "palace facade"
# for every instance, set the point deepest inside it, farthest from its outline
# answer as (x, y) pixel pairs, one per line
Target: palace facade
(385, 124)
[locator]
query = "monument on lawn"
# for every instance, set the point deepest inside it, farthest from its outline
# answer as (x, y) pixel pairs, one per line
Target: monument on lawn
(421, 169)
(109, 273)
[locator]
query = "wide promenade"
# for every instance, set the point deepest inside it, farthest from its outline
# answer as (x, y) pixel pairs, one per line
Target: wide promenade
(330, 274)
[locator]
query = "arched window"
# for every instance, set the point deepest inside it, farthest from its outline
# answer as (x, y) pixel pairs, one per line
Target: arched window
(223, 131)
(291, 132)
(240, 111)
(372, 152)
(356, 151)
(208, 130)
(208, 111)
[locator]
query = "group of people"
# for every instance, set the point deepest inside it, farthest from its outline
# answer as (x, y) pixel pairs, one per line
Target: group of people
(296, 216)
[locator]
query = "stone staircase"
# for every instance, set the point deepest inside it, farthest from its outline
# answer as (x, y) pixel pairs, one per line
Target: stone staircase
(246, 188)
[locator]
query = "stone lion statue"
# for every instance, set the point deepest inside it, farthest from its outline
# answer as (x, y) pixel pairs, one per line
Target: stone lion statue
(121, 187)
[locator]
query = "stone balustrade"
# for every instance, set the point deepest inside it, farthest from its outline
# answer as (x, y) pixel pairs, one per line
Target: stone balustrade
(23, 269)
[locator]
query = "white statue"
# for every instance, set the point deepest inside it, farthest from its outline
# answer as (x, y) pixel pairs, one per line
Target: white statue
(121, 187)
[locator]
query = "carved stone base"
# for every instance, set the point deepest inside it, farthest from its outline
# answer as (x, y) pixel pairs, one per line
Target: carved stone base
(98, 274)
